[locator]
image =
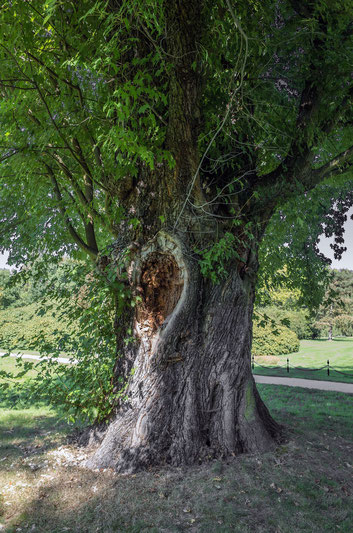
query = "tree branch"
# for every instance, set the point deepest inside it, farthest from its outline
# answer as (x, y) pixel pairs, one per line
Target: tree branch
(91, 248)
(337, 164)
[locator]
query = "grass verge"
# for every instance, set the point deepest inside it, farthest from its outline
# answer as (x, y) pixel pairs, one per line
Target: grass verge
(313, 354)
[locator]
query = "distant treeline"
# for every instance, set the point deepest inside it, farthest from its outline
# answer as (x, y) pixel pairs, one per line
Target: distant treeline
(335, 314)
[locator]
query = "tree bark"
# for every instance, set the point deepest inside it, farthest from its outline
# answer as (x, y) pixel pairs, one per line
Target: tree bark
(330, 336)
(192, 395)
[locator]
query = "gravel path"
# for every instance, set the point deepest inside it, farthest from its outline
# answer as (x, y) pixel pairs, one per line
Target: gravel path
(306, 383)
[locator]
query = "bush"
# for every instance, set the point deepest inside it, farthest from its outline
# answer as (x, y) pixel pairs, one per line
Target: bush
(298, 320)
(273, 340)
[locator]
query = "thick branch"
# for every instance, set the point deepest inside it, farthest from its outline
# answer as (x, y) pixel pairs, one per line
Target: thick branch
(338, 164)
(91, 235)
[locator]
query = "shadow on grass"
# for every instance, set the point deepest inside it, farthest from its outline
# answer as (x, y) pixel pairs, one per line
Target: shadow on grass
(245, 494)
(341, 339)
(325, 411)
(335, 339)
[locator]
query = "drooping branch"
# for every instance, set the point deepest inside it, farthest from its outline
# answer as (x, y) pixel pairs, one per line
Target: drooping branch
(90, 247)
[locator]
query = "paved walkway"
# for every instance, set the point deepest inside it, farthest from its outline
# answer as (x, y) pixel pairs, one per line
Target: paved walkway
(64, 360)
(306, 383)
(268, 380)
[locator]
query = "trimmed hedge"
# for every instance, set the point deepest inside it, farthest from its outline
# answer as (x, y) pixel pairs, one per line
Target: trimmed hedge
(266, 342)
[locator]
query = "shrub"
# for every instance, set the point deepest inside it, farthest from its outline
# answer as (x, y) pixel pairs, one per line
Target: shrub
(273, 340)
(298, 320)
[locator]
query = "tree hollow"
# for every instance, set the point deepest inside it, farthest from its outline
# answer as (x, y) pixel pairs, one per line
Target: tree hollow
(161, 285)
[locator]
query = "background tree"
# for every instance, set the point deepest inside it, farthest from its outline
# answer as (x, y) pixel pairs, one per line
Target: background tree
(335, 314)
(277, 304)
(178, 129)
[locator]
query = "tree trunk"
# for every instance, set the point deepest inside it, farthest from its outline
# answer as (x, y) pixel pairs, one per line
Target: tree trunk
(192, 395)
(330, 335)
(330, 328)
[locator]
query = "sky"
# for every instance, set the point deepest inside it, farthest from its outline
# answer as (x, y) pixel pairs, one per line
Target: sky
(3, 259)
(345, 262)
(347, 258)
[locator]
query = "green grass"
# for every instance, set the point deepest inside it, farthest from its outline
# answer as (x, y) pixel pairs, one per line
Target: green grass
(303, 485)
(314, 354)
(325, 409)
(13, 366)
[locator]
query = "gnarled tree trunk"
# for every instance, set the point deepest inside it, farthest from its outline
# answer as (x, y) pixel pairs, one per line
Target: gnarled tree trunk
(192, 395)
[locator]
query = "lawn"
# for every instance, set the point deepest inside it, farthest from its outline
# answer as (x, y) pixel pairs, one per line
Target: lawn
(313, 354)
(304, 484)
(13, 366)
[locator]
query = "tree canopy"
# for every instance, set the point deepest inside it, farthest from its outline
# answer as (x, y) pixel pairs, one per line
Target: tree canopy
(86, 102)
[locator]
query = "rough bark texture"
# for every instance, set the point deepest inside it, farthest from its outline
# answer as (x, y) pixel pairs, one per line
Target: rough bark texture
(192, 395)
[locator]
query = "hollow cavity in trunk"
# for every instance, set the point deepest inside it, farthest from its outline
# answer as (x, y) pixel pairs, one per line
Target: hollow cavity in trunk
(161, 286)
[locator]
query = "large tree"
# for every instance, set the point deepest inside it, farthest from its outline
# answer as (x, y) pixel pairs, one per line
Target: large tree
(174, 130)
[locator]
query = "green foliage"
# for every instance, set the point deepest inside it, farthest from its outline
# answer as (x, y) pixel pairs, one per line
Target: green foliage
(336, 310)
(289, 256)
(215, 260)
(78, 318)
(80, 113)
(270, 340)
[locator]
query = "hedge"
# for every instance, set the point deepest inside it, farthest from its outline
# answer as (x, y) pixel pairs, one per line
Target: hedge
(267, 342)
